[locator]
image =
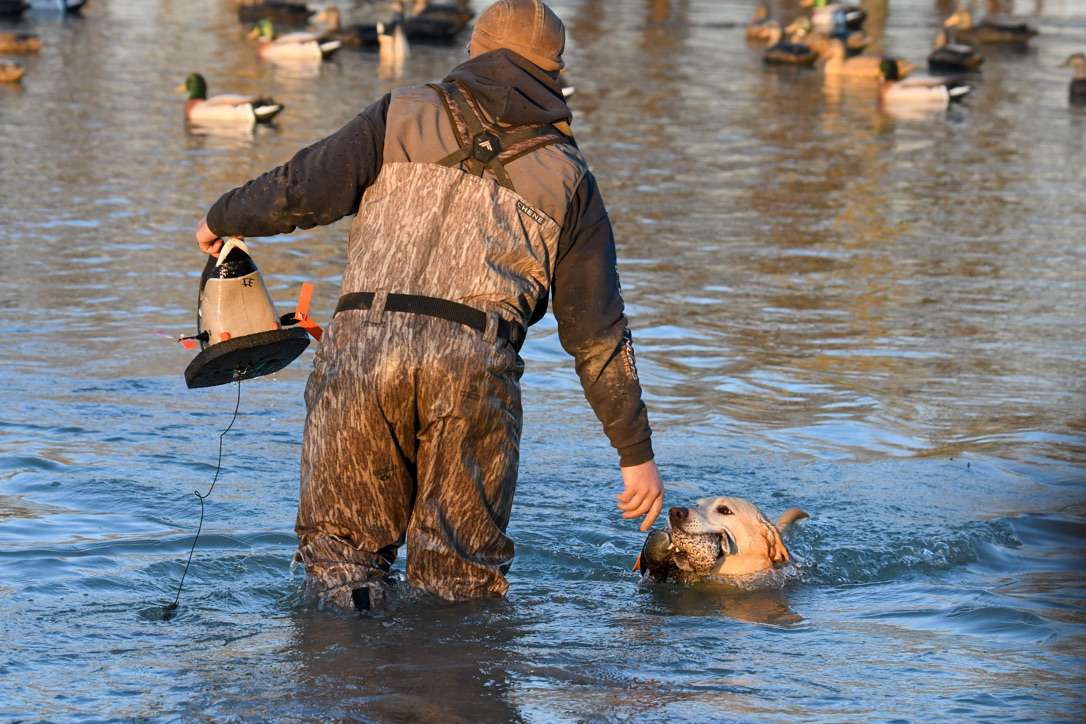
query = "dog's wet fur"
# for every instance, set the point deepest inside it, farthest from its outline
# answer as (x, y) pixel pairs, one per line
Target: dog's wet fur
(719, 538)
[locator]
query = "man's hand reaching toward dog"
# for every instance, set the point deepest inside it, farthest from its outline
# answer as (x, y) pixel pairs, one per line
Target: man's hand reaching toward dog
(643, 493)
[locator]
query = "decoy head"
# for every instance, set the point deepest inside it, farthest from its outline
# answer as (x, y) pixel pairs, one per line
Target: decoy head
(195, 86)
(890, 70)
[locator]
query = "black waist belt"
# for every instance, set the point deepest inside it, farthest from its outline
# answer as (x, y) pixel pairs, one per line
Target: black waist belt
(434, 307)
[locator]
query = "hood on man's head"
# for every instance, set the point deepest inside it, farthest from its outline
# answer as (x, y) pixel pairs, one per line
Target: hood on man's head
(527, 27)
(511, 89)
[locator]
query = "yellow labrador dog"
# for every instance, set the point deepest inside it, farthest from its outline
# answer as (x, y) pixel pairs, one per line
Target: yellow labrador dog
(719, 538)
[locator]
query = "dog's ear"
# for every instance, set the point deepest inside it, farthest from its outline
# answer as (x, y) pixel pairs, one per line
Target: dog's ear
(778, 554)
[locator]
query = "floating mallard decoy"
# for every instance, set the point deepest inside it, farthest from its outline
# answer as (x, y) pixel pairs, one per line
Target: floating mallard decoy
(989, 31)
(285, 13)
(800, 31)
(19, 43)
(837, 20)
(929, 92)
(785, 52)
(363, 35)
(292, 46)
(950, 57)
(860, 66)
(11, 72)
(758, 27)
(1077, 91)
(228, 108)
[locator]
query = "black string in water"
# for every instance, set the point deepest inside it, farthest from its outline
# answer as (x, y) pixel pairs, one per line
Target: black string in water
(202, 497)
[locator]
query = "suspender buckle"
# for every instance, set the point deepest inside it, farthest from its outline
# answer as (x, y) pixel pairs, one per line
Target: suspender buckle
(485, 147)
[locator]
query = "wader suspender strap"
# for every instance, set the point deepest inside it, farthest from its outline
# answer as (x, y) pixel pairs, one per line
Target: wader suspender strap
(485, 147)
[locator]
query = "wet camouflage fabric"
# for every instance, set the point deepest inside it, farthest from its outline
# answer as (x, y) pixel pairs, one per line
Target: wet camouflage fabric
(412, 434)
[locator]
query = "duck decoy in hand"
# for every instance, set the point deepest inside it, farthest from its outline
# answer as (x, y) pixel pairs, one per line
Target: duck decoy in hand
(19, 43)
(758, 27)
(928, 92)
(11, 72)
(785, 52)
(860, 66)
(1077, 91)
(436, 22)
(292, 46)
(989, 31)
(278, 11)
(362, 35)
(835, 19)
(227, 108)
(947, 57)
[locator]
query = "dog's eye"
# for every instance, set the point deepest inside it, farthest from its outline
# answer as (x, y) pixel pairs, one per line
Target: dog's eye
(723, 510)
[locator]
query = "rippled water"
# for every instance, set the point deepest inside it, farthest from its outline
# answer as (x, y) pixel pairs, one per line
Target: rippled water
(877, 319)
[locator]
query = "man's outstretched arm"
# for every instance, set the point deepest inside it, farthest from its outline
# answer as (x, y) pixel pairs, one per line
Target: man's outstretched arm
(592, 327)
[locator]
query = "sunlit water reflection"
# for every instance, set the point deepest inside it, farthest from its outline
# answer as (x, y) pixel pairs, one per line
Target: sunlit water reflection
(879, 320)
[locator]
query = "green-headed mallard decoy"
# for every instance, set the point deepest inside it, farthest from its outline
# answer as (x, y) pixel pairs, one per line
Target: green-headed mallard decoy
(989, 31)
(785, 52)
(801, 31)
(1077, 90)
(233, 109)
(292, 46)
(835, 19)
(19, 43)
(860, 66)
(948, 57)
(926, 92)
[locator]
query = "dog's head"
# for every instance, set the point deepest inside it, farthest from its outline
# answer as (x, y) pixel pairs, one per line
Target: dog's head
(725, 536)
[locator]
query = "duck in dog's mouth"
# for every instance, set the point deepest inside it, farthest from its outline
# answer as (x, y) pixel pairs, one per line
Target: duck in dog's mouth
(717, 538)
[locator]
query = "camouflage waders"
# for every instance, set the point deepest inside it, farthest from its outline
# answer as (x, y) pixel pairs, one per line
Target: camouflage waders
(413, 425)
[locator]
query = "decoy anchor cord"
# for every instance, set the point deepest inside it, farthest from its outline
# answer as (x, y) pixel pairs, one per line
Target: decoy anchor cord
(202, 498)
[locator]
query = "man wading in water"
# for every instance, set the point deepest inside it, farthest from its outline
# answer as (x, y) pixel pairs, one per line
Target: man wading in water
(472, 203)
